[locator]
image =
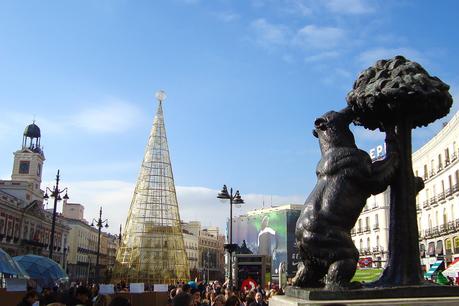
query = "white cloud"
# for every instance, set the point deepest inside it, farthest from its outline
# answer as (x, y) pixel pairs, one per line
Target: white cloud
(297, 7)
(422, 135)
(336, 77)
(349, 6)
(114, 197)
(195, 203)
(322, 56)
(315, 37)
(365, 136)
(200, 203)
(369, 57)
(227, 16)
(269, 34)
(13, 123)
(107, 117)
(192, 2)
(288, 58)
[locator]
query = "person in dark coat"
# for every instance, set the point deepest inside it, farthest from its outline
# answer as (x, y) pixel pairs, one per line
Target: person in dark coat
(29, 299)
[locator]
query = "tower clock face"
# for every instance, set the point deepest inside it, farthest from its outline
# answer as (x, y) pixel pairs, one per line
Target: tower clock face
(24, 167)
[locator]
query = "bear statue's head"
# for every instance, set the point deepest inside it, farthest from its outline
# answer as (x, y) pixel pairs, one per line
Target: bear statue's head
(333, 131)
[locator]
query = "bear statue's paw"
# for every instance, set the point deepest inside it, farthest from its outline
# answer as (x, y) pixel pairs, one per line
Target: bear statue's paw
(334, 286)
(303, 279)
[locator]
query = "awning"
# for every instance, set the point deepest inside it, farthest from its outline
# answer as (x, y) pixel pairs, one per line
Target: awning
(453, 269)
(433, 268)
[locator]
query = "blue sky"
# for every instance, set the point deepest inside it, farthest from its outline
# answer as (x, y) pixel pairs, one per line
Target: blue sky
(245, 80)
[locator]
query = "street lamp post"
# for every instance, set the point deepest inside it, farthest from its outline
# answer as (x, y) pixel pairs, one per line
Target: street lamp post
(234, 199)
(99, 224)
(56, 194)
(208, 267)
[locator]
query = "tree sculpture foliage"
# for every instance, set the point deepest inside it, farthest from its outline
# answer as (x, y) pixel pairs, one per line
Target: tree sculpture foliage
(394, 89)
(400, 93)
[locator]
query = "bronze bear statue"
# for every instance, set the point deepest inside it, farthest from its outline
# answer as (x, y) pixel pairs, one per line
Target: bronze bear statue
(346, 177)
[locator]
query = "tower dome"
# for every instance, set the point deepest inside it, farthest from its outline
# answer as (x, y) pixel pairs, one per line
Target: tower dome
(31, 138)
(32, 131)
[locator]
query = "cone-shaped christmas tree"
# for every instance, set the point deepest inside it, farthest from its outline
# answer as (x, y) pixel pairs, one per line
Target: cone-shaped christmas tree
(152, 250)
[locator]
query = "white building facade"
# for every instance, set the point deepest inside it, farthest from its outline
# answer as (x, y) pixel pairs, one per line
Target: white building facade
(437, 163)
(438, 203)
(205, 251)
(371, 232)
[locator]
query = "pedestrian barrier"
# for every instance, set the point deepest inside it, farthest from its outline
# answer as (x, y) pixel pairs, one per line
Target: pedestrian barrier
(136, 299)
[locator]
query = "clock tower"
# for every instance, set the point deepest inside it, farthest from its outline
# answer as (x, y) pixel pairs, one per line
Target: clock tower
(28, 161)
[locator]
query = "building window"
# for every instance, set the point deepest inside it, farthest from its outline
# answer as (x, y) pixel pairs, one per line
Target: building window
(440, 164)
(9, 231)
(2, 226)
(16, 230)
(439, 247)
(426, 172)
(24, 166)
(431, 249)
(446, 156)
(39, 170)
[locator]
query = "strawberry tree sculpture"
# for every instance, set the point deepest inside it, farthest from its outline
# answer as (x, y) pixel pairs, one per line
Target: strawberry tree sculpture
(400, 94)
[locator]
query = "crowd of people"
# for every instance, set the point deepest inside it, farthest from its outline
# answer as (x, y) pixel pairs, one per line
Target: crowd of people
(180, 294)
(76, 295)
(215, 294)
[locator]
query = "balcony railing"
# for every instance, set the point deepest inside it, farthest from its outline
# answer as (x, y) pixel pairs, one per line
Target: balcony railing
(433, 201)
(378, 249)
(364, 251)
(367, 229)
(437, 231)
(376, 227)
(425, 204)
(441, 196)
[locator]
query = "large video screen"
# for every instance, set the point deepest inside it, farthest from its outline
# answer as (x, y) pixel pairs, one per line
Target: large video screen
(270, 233)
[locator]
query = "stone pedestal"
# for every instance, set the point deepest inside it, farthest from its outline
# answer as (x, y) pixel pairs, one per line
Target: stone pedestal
(283, 300)
(407, 295)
